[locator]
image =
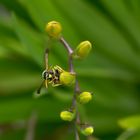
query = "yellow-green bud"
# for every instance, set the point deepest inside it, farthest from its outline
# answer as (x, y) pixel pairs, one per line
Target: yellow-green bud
(67, 78)
(53, 28)
(84, 97)
(67, 115)
(83, 49)
(87, 130)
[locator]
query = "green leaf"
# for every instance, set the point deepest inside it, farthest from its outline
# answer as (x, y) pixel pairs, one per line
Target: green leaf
(20, 108)
(101, 29)
(125, 17)
(128, 135)
(130, 122)
(32, 41)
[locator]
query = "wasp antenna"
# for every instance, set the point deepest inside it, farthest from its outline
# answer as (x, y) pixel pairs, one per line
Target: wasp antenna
(40, 87)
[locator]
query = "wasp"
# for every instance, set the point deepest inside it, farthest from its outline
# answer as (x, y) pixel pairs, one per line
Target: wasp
(51, 75)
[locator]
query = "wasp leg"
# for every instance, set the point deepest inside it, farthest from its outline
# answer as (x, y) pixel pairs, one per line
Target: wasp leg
(46, 83)
(55, 85)
(58, 68)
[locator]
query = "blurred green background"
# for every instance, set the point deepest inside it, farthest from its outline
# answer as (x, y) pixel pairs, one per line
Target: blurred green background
(111, 71)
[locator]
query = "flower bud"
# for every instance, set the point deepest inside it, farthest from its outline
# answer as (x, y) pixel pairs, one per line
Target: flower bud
(87, 130)
(67, 78)
(53, 28)
(82, 49)
(84, 97)
(67, 115)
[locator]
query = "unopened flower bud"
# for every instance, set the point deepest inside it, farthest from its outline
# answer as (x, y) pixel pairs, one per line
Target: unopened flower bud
(67, 78)
(84, 97)
(67, 115)
(82, 49)
(53, 28)
(87, 130)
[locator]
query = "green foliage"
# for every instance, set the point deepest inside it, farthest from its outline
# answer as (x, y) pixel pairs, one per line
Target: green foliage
(130, 122)
(132, 126)
(112, 71)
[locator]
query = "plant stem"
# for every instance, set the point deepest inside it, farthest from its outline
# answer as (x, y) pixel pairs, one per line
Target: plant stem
(66, 45)
(46, 68)
(77, 88)
(71, 65)
(46, 58)
(76, 134)
(70, 52)
(31, 127)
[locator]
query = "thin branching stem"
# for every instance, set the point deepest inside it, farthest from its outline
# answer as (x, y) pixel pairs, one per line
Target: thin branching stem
(66, 45)
(76, 134)
(46, 68)
(30, 135)
(70, 52)
(77, 88)
(71, 64)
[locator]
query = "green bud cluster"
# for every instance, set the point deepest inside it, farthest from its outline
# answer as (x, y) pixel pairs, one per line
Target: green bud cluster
(68, 78)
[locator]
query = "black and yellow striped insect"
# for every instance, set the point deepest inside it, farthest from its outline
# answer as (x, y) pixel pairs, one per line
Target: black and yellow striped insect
(51, 75)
